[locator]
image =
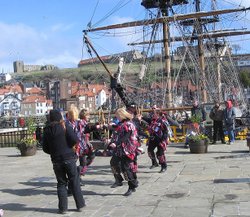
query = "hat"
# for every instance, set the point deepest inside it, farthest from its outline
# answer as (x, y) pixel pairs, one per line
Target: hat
(55, 115)
(131, 105)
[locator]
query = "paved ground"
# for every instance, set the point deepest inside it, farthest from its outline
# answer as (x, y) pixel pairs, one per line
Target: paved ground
(214, 184)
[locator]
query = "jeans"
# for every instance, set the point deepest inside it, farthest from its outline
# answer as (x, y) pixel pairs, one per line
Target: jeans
(66, 171)
(231, 135)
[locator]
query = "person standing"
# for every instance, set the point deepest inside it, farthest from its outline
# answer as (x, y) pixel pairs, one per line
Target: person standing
(216, 114)
(229, 119)
(58, 141)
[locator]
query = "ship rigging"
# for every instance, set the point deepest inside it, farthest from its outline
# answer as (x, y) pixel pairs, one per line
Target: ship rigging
(204, 57)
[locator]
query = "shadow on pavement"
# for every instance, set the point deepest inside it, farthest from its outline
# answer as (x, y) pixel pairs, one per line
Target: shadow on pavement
(22, 207)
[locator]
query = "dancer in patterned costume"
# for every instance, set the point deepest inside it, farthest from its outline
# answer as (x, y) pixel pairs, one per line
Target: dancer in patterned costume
(86, 150)
(125, 144)
(158, 130)
(81, 127)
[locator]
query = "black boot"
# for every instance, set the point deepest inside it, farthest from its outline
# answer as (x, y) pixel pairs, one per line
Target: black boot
(116, 184)
(163, 169)
(153, 166)
(129, 192)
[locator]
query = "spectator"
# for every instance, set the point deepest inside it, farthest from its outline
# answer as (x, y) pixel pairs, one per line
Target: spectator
(216, 114)
(58, 141)
(229, 119)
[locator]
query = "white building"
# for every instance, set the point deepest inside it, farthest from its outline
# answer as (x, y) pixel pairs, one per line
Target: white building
(35, 105)
(4, 77)
(10, 104)
(101, 98)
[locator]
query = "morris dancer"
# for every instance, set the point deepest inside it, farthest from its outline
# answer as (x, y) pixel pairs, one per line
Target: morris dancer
(159, 134)
(84, 149)
(125, 146)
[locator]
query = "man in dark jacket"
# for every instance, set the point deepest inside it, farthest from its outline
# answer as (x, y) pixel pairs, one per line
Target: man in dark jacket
(58, 141)
(216, 114)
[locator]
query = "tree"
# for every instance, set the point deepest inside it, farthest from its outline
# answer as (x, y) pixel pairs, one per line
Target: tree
(245, 78)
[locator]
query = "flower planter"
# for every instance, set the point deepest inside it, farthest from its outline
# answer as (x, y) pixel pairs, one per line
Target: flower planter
(27, 150)
(198, 147)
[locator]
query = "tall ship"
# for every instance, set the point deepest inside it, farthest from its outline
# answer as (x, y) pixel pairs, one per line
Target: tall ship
(179, 51)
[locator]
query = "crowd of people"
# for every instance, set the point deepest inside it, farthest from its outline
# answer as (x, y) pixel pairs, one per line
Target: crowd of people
(66, 140)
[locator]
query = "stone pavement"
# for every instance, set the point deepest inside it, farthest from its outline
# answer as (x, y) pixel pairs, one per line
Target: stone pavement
(214, 184)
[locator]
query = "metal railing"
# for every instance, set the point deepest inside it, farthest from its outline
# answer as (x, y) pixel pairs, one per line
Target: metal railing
(10, 139)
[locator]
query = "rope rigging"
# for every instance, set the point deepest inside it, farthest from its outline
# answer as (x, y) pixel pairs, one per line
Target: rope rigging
(184, 69)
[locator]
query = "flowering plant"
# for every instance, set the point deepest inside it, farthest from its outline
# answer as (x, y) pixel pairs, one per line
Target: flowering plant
(198, 137)
(195, 119)
(30, 138)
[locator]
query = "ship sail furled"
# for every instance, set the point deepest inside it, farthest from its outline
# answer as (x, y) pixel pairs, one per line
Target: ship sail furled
(183, 55)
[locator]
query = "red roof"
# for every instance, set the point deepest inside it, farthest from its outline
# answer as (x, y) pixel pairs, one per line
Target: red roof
(14, 88)
(3, 91)
(34, 99)
(35, 90)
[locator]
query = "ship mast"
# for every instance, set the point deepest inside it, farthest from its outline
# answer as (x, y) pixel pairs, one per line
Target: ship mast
(201, 52)
(166, 44)
(219, 55)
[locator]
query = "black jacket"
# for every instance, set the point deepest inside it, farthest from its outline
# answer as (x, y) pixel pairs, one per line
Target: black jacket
(59, 142)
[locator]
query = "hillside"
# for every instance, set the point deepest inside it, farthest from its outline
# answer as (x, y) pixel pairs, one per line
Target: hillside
(90, 73)
(96, 73)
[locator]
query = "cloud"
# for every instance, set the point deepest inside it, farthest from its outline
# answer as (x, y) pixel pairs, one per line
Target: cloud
(47, 46)
(60, 27)
(66, 60)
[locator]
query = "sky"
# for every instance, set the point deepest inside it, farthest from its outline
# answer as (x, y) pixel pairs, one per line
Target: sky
(50, 31)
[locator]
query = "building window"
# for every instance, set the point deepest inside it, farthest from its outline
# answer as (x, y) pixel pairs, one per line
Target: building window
(37, 111)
